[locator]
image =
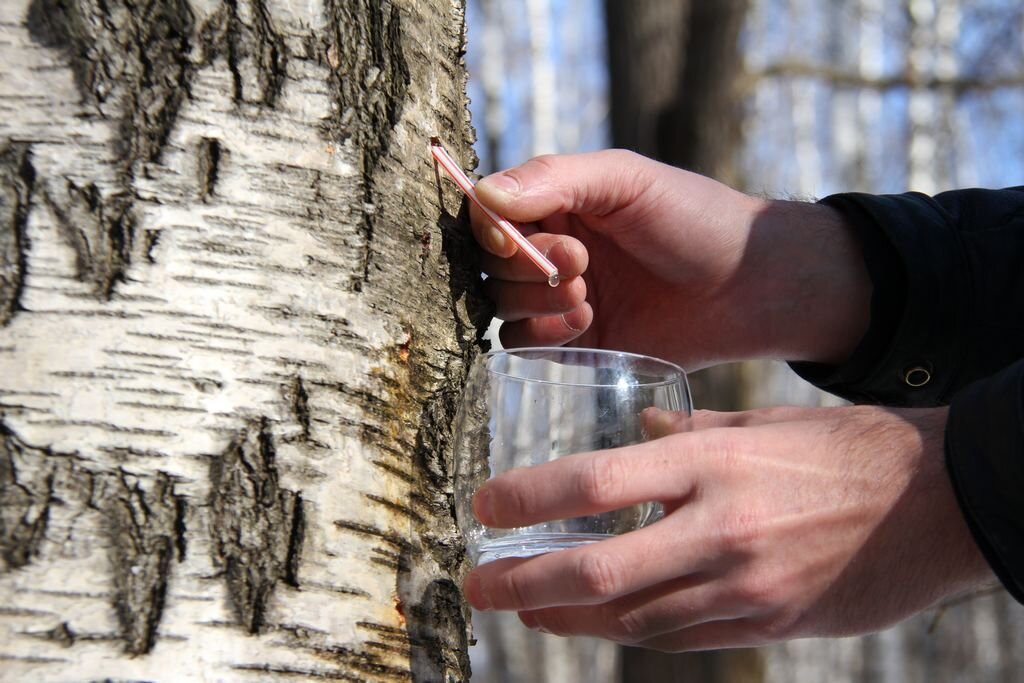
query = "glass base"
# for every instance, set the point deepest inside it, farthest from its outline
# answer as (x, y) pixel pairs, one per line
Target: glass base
(528, 545)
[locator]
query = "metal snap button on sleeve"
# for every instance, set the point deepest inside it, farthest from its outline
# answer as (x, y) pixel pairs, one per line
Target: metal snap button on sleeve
(917, 376)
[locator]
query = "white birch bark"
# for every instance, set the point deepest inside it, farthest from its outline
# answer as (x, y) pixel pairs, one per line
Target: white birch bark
(233, 327)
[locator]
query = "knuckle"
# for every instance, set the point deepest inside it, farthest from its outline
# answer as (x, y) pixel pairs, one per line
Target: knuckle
(598, 575)
(517, 502)
(727, 455)
(543, 165)
(601, 481)
(513, 588)
(554, 622)
(739, 530)
(758, 592)
(626, 627)
(623, 157)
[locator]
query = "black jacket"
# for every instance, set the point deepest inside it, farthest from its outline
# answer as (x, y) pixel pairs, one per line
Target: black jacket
(947, 327)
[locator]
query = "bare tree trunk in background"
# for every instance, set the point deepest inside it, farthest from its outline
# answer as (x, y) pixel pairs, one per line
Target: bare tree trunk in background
(543, 90)
(234, 324)
(492, 80)
(645, 57)
(675, 69)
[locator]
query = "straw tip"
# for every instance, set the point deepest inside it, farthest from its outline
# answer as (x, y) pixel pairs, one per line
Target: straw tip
(435, 140)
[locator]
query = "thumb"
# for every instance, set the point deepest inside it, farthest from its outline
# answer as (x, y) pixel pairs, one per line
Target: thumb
(597, 183)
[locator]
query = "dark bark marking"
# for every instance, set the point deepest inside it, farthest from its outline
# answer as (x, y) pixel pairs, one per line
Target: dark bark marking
(25, 500)
(437, 631)
(130, 61)
(242, 31)
(399, 508)
(144, 528)
(150, 240)
(370, 530)
(371, 76)
(209, 154)
(295, 539)
(371, 81)
(353, 660)
(257, 527)
(180, 527)
(61, 633)
(17, 180)
(100, 230)
(299, 400)
(284, 671)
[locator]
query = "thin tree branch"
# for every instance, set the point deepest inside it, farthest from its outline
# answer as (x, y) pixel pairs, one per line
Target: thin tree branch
(843, 78)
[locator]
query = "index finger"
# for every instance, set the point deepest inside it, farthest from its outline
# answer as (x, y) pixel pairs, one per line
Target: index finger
(587, 483)
(567, 254)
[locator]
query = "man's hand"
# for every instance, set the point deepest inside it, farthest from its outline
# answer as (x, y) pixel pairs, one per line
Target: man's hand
(660, 261)
(779, 523)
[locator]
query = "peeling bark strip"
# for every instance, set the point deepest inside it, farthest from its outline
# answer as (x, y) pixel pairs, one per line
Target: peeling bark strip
(144, 527)
(26, 493)
(257, 527)
(17, 179)
(370, 75)
(242, 32)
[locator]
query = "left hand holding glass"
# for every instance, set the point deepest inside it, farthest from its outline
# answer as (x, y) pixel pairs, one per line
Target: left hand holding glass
(779, 523)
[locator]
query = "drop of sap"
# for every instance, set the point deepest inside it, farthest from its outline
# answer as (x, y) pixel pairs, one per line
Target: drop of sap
(553, 280)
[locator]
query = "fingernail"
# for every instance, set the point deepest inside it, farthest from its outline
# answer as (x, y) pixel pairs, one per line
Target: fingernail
(483, 507)
(501, 182)
(565, 321)
(496, 240)
(473, 588)
(657, 423)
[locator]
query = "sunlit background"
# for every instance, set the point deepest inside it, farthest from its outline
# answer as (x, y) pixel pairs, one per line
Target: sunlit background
(785, 98)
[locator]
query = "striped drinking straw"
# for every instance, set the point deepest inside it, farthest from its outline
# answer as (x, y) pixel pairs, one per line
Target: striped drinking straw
(442, 157)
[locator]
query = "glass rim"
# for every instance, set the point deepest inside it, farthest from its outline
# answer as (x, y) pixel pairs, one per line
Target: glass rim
(679, 374)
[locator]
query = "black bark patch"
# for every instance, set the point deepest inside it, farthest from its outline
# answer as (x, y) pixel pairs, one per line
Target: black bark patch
(17, 180)
(130, 61)
(209, 154)
(142, 523)
(99, 229)
(26, 494)
(438, 632)
(242, 32)
(370, 75)
(61, 633)
(256, 526)
(299, 399)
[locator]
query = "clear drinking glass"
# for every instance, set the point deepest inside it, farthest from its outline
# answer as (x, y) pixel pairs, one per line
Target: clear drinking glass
(524, 407)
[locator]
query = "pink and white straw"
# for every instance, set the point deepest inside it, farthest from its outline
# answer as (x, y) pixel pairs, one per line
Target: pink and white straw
(442, 157)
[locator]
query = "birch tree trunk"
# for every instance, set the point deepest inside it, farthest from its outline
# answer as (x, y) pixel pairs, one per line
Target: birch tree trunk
(234, 322)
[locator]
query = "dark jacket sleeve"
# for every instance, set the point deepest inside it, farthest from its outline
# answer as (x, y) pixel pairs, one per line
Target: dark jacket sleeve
(947, 327)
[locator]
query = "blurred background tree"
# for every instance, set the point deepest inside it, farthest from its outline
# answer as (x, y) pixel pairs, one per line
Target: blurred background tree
(786, 98)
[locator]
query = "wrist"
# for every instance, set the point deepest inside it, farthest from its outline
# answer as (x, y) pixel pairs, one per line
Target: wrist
(808, 282)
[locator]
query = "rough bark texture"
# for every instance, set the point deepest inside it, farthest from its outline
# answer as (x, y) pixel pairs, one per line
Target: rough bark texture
(235, 315)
